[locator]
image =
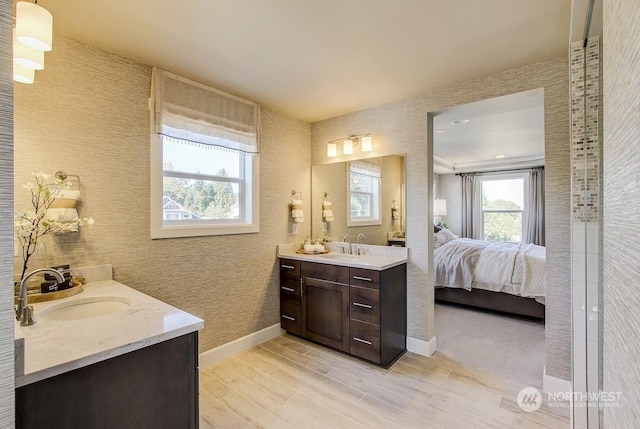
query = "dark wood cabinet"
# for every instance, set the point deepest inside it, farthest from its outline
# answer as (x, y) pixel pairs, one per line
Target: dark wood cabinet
(355, 310)
(153, 387)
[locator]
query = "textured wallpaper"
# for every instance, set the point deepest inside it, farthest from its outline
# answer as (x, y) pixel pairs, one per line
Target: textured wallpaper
(402, 127)
(621, 50)
(6, 218)
(87, 115)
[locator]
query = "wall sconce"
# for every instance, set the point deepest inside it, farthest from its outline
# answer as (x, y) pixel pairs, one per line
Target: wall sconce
(350, 144)
(33, 35)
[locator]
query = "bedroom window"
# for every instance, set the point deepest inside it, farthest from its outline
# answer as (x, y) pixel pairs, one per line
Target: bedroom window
(503, 208)
(364, 194)
(204, 160)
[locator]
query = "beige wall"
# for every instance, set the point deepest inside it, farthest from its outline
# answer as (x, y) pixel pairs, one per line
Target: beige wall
(6, 219)
(87, 115)
(621, 354)
(402, 127)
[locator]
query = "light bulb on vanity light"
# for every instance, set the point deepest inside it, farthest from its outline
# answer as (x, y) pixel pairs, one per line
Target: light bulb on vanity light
(332, 150)
(26, 56)
(347, 146)
(366, 144)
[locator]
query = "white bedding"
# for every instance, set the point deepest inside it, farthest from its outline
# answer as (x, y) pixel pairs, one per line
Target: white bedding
(514, 268)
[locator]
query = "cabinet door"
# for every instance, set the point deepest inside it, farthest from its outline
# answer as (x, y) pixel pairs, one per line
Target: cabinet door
(325, 312)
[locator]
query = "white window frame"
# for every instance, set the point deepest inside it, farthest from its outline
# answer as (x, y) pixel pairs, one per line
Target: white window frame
(249, 196)
(376, 205)
(505, 176)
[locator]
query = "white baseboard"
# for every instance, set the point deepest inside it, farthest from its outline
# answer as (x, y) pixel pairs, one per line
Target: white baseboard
(421, 347)
(551, 384)
(215, 355)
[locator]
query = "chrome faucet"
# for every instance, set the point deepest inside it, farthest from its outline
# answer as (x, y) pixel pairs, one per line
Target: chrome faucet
(344, 240)
(358, 249)
(24, 312)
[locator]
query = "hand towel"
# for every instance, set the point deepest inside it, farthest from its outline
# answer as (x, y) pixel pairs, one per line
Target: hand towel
(62, 214)
(65, 199)
(327, 205)
(297, 213)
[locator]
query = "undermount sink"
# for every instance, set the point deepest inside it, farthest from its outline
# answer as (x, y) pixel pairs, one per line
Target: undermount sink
(85, 308)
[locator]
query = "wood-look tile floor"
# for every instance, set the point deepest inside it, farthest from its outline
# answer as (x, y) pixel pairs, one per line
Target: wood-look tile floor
(292, 383)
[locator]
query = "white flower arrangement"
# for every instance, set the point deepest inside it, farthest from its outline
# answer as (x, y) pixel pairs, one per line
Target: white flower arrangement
(31, 225)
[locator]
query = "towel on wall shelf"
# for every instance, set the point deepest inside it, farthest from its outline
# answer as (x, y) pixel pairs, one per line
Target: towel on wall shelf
(296, 211)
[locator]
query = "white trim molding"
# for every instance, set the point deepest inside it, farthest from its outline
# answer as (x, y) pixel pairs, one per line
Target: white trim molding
(220, 353)
(421, 347)
(551, 384)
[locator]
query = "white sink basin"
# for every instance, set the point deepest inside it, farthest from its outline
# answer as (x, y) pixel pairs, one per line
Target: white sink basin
(85, 308)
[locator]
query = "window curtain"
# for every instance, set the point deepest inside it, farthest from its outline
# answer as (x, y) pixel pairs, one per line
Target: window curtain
(534, 223)
(471, 207)
(190, 112)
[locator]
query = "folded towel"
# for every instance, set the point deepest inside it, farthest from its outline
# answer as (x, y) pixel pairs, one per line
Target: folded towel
(62, 214)
(296, 202)
(328, 218)
(298, 219)
(327, 213)
(297, 213)
(327, 205)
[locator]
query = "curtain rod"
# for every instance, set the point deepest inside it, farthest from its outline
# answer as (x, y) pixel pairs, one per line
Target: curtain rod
(502, 171)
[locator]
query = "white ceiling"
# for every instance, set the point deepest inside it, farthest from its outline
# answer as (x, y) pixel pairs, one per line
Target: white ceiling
(511, 127)
(318, 59)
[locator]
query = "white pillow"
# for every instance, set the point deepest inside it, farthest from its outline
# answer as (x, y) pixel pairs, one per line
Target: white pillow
(445, 235)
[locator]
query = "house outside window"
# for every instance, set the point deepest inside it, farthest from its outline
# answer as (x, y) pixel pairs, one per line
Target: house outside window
(503, 207)
(364, 194)
(204, 155)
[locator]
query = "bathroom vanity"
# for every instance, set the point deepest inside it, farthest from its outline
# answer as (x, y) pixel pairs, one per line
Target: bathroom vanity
(355, 304)
(136, 366)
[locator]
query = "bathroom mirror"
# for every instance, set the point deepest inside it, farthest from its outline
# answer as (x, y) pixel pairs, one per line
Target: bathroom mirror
(375, 186)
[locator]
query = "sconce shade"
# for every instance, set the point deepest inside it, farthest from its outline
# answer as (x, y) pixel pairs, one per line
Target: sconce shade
(440, 208)
(366, 144)
(26, 56)
(347, 146)
(332, 150)
(34, 26)
(23, 74)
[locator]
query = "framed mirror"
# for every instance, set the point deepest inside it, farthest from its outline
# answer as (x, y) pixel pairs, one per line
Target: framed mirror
(360, 196)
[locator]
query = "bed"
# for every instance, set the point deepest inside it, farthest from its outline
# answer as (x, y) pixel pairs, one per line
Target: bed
(506, 277)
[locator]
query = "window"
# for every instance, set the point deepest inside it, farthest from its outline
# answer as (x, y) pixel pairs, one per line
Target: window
(503, 208)
(364, 194)
(204, 172)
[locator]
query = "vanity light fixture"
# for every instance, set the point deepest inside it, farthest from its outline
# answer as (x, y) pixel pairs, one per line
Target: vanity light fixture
(349, 144)
(33, 36)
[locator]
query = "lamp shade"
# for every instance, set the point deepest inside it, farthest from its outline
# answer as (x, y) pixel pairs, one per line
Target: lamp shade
(347, 146)
(23, 74)
(440, 208)
(26, 56)
(34, 26)
(332, 150)
(366, 143)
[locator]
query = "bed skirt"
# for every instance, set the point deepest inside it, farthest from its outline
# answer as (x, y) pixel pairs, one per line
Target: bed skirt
(489, 300)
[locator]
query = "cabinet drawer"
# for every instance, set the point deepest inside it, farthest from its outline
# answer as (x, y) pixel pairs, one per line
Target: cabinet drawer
(364, 304)
(289, 268)
(332, 273)
(290, 287)
(290, 316)
(365, 340)
(365, 278)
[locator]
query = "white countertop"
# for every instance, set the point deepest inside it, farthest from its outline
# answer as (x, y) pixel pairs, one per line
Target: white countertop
(52, 347)
(373, 257)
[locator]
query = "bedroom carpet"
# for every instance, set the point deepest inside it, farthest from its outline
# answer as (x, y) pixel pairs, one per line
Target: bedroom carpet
(506, 346)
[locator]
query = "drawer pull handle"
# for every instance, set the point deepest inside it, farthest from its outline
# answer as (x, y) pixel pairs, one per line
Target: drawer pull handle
(293, 319)
(289, 267)
(357, 304)
(362, 341)
(366, 279)
(288, 289)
